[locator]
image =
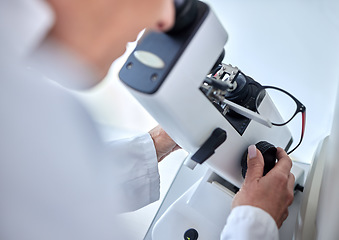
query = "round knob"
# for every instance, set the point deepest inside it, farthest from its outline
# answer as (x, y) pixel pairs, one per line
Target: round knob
(269, 153)
(191, 234)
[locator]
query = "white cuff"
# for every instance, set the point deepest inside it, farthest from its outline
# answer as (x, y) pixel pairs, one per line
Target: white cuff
(137, 164)
(248, 222)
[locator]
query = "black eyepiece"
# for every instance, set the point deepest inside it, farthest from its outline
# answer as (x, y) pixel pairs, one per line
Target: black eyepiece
(185, 14)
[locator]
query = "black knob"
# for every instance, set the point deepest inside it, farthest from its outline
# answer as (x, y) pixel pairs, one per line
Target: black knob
(269, 153)
(191, 234)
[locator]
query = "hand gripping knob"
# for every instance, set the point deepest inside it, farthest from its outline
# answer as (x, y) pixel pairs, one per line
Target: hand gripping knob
(269, 153)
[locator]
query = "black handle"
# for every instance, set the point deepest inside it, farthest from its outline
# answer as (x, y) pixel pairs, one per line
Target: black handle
(217, 137)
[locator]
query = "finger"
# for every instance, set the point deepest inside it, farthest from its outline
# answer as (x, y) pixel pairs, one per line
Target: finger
(290, 186)
(281, 153)
(285, 215)
(284, 163)
(291, 181)
(255, 164)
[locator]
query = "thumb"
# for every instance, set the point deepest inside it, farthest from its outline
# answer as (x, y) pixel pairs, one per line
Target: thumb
(255, 164)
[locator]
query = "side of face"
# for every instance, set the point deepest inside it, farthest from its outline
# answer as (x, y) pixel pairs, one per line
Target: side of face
(98, 30)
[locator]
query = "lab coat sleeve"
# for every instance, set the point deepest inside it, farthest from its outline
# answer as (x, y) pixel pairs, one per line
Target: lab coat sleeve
(58, 179)
(138, 167)
(248, 222)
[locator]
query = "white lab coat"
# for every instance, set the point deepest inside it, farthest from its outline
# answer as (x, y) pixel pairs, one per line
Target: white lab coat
(247, 222)
(58, 180)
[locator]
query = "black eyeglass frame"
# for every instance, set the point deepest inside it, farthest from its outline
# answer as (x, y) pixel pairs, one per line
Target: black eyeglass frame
(300, 109)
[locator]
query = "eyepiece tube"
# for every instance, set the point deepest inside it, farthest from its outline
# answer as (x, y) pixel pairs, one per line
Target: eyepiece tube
(185, 14)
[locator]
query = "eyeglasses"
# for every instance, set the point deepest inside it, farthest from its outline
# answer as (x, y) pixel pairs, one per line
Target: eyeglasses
(222, 80)
(267, 98)
(289, 107)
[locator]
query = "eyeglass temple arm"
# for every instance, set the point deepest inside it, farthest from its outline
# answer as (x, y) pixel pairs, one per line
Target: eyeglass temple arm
(247, 113)
(303, 115)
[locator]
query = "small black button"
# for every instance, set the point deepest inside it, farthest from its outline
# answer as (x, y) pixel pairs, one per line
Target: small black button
(191, 234)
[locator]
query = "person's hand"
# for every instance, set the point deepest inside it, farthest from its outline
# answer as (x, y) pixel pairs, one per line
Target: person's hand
(273, 192)
(164, 145)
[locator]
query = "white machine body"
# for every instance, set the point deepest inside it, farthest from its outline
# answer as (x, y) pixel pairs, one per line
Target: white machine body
(189, 117)
(205, 207)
